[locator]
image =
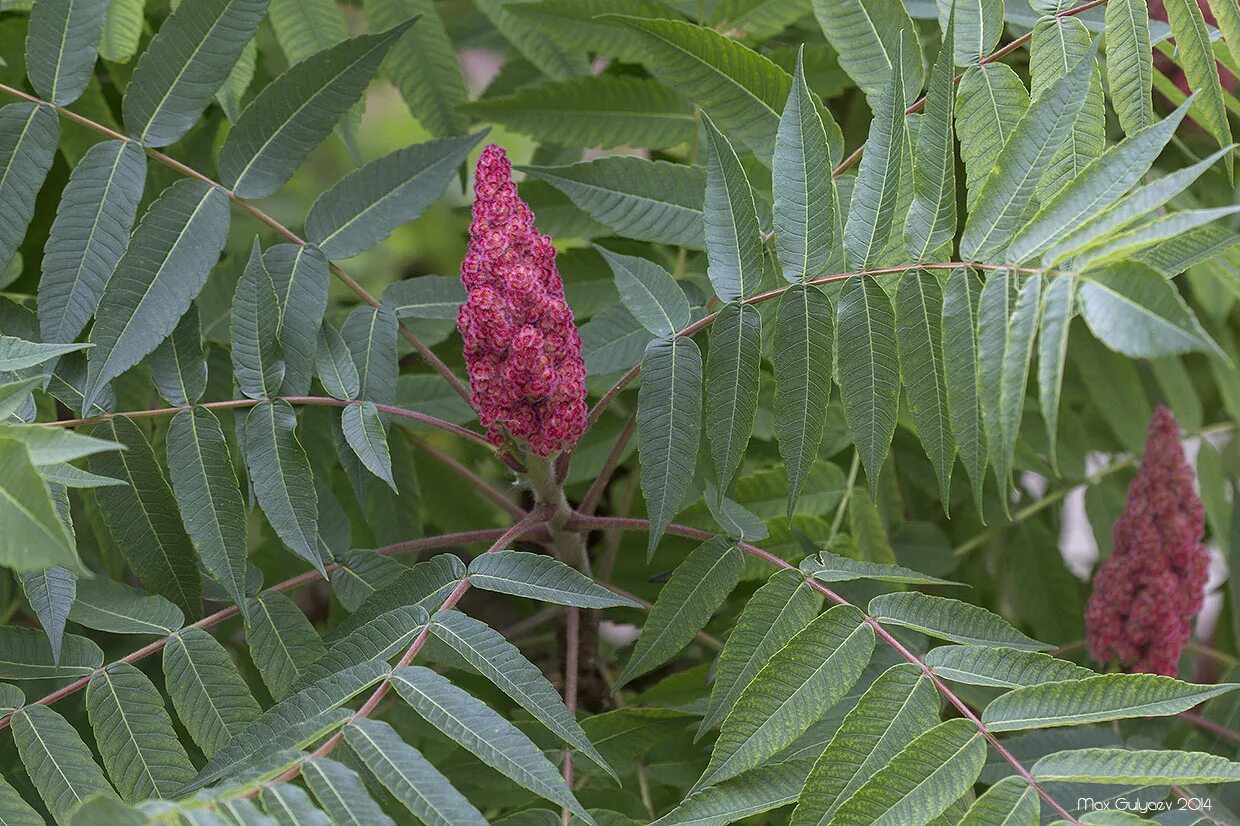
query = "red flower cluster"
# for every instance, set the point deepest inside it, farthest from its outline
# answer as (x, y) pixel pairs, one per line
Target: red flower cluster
(521, 346)
(1148, 591)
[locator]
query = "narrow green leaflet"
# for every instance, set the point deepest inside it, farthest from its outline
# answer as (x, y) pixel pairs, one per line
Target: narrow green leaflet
(28, 137)
(1170, 229)
(828, 567)
(283, 643)
(292, 722)
(1135, 311)
(333, 364)
(209, 694)
(649, 292)
(299, 275)
(805, 197)
(58, 763)
(1001, 667)
(812, 672)
(598, 110)
(872, 211)
(774, 614)
(365, 206)
(872, 37)
(210, 501)
(1099, 186)
(1228, 19)
(33, 537)
(297, 111)
(164, 268)
(364, 431)
(733, 237)
(804, 334)
(107, 605)
(426, 584)
(88, 236)
(409, 776)
(901, 705)
(541, 577)
(634, 197)
(1058, 309)
(502, 663)
(358, 574)
(552, 59)
(423, 64)
(765, 788)
(18, 354)
(1005, 332)
(52, 445)
(1096, 699)
(283, 484)
(134, 733)
(186, 62)
(258, 363)
(490, 737)
(122, 27)
(1196, 57)
(921, 781)
(732, 384)
(990, 102)
(685, 604)
(669, 421)
(1145, 767)
(17, 812)
(342, 794)
(1130, 63)
(1057, 45)
(26, 655)
(370, 333)
(960, 355)
(50, 593)
(919, 340)
(380, 638)
(1010, 187)
(60, 47)
(979, 23)
(306, 27)
(950, 619)
(179, 365)
(930, 227)
(869, 372)
(427, 296)
(1010, 802)
(290, 805)
(142, 516)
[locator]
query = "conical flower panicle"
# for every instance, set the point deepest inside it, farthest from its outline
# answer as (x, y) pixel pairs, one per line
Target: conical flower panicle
(1150, 588)
(521, 345)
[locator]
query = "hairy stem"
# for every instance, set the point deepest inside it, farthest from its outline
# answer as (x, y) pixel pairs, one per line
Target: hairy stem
(581, 522)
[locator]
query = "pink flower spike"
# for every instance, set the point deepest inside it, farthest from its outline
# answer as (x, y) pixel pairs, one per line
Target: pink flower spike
(1150, 588)
(521, 345)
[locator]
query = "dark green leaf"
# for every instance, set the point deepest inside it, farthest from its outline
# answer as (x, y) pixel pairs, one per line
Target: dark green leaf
(60, 47)
(366, 434)
(50, 593)
(283, 643)
(733, 237)
(649, 292)
(111, 606)
(300, 275)
(257, 358)
(283, 484)
(869, 372)
(804, 336)
(209, 694)
(28, 138)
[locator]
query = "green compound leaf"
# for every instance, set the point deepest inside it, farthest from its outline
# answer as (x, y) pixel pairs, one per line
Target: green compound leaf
(949, 619)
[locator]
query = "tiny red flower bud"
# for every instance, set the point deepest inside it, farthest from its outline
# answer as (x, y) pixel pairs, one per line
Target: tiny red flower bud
(521, 345)
(1150, 588)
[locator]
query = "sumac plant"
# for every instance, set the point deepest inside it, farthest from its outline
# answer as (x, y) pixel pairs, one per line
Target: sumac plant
(822, 412)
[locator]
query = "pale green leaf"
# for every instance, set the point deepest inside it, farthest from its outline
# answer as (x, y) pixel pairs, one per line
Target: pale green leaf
(18, 354)
(282, 481)
(765, 788)
(919, 340)
(1169, 228)
(1006, 324)
(58, 763)
(931, 223)
(732, 384)
(106, 605)
(122, 27)
(1135, 311)
(295, 113)
(134, 733)
(669, 413)
(478, 729)
(869, 372)
(733, 237)
(1010, 802)
(1001, 667)
(990, 102)
(163, 269)
(186, 62)
(804, 335)
(28, 138)
(50, 593)
(949, 619)
(1096, 699)
(812, 672)
(1058, 309)
(1196, 57)
(178, 365)
(634, 197)
(685, 604)
(1057, 45)
(290, 805)
(257, 358)
(871, 215)
(1144, 767)
(979, 23)
(52, 445)
(365, 206)
(872, 37)
(33, 538)
(342, 794)
(503, 664)
(901, 705)
(210, 501)
(208, 692)
(1130, 63)
(829, 567)
(142, 517)
(541, 577)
